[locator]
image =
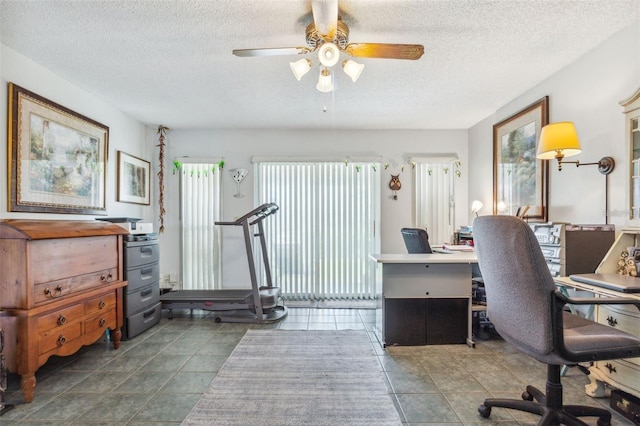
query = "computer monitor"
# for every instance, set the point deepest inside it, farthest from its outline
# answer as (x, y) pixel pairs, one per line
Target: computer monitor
(416, 240)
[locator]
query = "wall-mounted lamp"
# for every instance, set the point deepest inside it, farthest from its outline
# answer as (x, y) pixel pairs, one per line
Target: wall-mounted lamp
(560, 140)
(476, 206)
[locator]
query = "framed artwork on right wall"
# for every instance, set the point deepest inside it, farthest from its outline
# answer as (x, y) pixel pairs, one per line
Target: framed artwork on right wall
(520, 180)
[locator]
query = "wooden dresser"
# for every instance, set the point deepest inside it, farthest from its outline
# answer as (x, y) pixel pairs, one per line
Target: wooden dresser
(61, 286)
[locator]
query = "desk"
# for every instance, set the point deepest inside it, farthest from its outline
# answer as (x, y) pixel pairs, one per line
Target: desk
(622, 374)
(424, 298)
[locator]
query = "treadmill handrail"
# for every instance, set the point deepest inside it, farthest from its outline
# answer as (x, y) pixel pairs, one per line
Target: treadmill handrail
(261, 212)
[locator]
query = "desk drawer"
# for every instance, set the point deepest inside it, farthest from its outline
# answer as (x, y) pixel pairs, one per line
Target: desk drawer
(141, 253)
(142, 276)
(423, 280)
(141, 299)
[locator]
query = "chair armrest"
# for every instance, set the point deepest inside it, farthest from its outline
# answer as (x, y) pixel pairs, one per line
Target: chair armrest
(558, 301)
(565, 300)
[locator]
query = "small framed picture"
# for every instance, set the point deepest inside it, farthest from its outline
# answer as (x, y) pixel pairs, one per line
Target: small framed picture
(133, 179)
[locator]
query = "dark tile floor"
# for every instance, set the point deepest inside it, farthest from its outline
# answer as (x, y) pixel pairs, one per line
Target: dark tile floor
(155, 378)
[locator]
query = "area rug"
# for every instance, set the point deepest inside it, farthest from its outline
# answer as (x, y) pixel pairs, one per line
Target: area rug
(298, 377)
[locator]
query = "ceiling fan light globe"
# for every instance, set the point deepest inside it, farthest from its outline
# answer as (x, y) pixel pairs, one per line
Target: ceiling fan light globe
(352, 69)
(329, 54)
(325, 84)
(300, 68)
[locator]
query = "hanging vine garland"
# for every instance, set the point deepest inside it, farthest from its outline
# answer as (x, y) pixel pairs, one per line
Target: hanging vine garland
(162, 131)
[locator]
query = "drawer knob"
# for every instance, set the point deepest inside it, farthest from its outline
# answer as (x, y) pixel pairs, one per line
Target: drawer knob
(102, 322)
(612, 321)
(101, 304)
(62, 340)
(610, 367)
(62, 320)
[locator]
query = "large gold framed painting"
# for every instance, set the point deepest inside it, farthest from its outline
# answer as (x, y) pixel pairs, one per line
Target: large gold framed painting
(57, 158)
(520, 180)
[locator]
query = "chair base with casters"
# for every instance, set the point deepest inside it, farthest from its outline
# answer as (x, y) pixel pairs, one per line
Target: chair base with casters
(548, 405)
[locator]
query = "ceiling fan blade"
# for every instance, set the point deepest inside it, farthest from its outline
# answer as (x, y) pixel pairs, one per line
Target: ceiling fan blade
(272, 51)
(385, 50)
(325, 17)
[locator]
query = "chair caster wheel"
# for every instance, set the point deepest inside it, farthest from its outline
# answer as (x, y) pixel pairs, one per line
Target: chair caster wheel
(484, 411)
(604, 422)
(527, 396)
(218, 319)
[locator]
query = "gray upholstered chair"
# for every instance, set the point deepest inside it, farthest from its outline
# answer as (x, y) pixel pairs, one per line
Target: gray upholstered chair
(528, 312)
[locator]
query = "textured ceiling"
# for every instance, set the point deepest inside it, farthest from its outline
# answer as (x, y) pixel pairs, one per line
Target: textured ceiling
(170, 62)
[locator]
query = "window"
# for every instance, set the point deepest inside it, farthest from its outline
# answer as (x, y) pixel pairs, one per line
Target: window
(199, 208)
(320, 240)
(435, 197)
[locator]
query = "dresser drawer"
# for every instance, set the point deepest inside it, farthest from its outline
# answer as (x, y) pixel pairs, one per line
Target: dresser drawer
(618, 316)
(53, 290)
(142, 276)
(622, 371)
(57, 338)
(104, 320)
(101, 303)
(141, 253)
(60, 318)
(53, 260)
(141, 299)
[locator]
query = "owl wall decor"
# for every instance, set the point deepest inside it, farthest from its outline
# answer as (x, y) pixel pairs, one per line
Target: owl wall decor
(395, 185)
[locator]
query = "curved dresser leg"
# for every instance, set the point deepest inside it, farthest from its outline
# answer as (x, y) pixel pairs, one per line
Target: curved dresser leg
(117, 336)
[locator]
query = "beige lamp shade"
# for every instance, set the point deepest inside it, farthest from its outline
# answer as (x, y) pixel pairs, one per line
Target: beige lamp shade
(352, 69)
(300, 68)
(558, 140)
(325, 84)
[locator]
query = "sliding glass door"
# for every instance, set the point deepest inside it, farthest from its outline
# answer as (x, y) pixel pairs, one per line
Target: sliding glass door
(320, 240)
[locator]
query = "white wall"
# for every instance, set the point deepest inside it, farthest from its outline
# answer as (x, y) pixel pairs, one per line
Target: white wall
(237, 148)
(588, 93)
(125, 133)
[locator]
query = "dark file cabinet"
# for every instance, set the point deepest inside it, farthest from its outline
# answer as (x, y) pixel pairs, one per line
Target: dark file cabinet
(142, 307)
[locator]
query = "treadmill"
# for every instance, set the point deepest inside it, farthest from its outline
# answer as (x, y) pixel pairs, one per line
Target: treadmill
(258, 304)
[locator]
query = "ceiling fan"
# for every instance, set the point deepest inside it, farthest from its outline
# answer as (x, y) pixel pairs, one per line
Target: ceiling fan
(329, 36)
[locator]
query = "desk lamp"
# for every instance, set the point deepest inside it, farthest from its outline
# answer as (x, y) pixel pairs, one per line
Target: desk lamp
(560, 140)
(476, 206)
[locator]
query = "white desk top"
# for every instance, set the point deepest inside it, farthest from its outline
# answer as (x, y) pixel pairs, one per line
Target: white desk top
(455, 257)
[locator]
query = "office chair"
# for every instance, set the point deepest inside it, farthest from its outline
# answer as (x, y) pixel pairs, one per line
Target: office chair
(528, 312)
(416, 240)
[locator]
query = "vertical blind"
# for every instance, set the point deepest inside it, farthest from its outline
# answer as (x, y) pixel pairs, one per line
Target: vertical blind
(435, 200)
(199, 209)
(320, 240)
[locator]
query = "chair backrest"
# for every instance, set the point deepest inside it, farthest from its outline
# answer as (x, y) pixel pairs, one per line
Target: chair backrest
(517, 281)
(416, 240)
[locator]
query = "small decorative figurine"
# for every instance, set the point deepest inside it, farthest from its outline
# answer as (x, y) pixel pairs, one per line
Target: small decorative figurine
(395, 185)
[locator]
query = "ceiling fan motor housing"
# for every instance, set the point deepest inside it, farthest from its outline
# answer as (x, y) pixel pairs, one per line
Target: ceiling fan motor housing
(315, 39)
